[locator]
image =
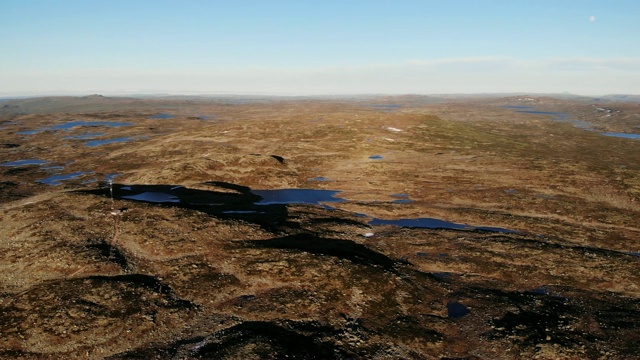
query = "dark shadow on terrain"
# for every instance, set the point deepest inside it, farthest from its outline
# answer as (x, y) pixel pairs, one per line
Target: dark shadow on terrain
(6, 185)
(408, 327)
(149, 282)
(19, 354)
(430, 223)
(337, 220)
(550, 245)
(343, 249)
(110, 253)
(543, 318)
(239, 204)
(267, 340)
(279, 158)
(17, 171)
(234, 202)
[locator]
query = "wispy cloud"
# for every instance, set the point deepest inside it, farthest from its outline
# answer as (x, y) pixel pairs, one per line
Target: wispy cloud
(470, 64)
(506, 63)
(594, 64)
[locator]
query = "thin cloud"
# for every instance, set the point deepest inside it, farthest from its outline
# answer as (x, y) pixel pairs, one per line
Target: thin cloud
(594, 64)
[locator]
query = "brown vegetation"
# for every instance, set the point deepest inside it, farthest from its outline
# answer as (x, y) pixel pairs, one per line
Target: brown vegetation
(206, 273)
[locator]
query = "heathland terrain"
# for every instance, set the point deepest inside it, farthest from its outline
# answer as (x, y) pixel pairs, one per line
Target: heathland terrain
(371, 227)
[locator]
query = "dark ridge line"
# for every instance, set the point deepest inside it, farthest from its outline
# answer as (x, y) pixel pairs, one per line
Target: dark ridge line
(244, 190)
(342, 249)
(341, 221)
(540, 315)
(298, 339)
(579, 248)
(249, 205)
(285, 342)
(237, 205)
(111, 253)
(279, 158)
(147, 281)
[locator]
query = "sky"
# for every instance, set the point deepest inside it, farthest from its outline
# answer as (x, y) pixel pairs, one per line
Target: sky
(328, 47)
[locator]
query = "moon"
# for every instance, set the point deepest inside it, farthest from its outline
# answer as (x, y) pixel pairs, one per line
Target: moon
(592, 18)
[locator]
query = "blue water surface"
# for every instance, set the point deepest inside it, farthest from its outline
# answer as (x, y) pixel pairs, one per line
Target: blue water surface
(24, 162)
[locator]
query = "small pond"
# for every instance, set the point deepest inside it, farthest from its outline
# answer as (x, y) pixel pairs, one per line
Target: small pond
(622, 135)
(108, 141)
(70, 125)
(456, 310)
(55, 180)
(558, 116)
(296, 196)
(401, 199)
(88, 136)
(253, 201)
(318, 178)
(431, 223)
(24, 162)
(154, 197)
(162, 116)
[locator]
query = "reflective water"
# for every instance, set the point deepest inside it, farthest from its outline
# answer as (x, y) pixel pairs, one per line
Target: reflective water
(108, 141)
(154, 197)
(110, 177)
(29, 132)
(57, 179)
(318, 178)
(443, 275)
(266, 203)
(24, 162)
(402, 199)
(386, 107)
(296, 196)
(542, 290)
(375, 157)
(241, 212)
(87, 136)
(430, 223)
(162, 116)
(622, 135)
(70, 125)
(558, 116)
(456, 310)
(54, 168)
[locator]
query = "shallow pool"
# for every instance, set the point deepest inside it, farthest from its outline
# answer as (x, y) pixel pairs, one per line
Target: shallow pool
(24, 162)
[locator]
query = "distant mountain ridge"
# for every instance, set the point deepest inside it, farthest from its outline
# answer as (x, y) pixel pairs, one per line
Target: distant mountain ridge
(100, 103)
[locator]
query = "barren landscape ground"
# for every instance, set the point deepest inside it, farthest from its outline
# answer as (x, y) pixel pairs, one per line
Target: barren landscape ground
(460, 228)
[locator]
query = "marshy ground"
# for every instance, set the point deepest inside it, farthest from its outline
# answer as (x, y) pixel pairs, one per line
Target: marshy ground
(453, 229)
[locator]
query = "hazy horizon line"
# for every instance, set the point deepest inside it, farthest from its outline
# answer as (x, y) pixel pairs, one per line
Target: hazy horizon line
(160, 93)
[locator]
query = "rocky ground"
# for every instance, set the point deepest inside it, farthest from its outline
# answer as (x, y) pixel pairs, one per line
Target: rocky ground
(457, 229)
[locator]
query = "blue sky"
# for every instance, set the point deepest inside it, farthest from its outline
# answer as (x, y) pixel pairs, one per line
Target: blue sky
(319, 47)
